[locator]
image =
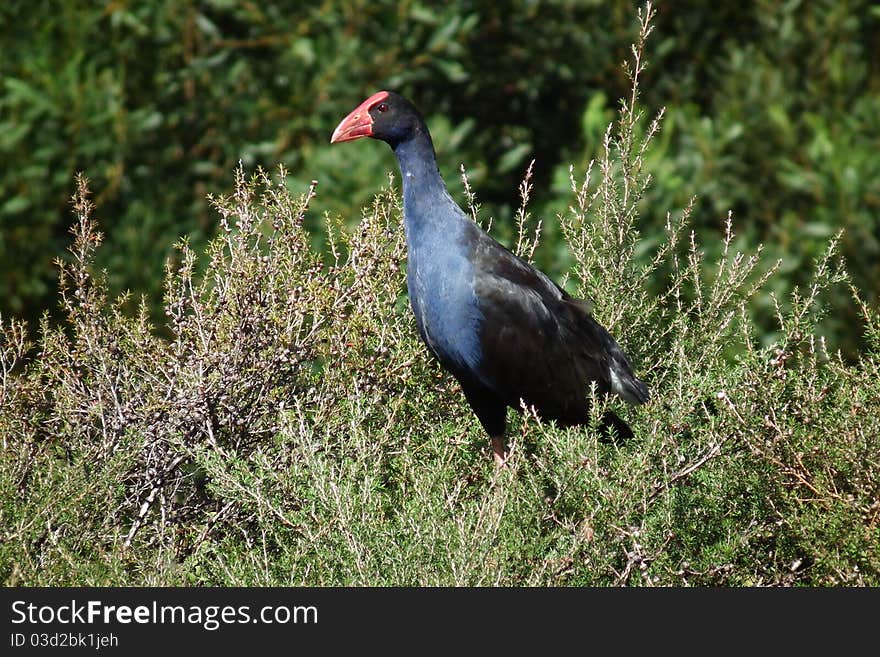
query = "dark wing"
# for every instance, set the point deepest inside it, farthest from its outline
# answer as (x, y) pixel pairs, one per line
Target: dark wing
(538, 343)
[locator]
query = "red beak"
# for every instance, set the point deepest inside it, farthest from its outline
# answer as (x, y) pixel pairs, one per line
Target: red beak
(358, 123)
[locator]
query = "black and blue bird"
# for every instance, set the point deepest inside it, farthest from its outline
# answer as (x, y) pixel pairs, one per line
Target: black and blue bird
(503, 329)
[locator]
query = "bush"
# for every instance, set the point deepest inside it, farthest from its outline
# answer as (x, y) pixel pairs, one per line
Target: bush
(293, 431)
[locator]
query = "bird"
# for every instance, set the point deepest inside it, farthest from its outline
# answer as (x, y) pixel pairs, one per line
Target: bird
(508, 334)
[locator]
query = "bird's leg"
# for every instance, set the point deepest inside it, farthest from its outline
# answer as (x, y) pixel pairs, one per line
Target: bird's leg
(499, 450)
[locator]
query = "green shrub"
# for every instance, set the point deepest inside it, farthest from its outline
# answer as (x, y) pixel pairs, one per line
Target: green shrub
(293, 431)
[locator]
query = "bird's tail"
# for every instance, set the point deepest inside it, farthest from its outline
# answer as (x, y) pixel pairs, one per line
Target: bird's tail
(625, 384)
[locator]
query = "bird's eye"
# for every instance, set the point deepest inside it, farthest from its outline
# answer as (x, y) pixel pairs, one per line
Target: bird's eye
(381, 107)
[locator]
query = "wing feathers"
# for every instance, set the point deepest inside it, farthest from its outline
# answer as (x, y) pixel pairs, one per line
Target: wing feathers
(540, 344)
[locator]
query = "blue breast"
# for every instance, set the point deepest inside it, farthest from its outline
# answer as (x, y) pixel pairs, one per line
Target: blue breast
(440, 279)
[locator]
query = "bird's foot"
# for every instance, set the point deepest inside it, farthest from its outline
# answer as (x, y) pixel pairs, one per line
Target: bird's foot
(499, 450)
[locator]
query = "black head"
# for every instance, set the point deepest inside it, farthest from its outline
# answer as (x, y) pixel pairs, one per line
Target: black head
(385, 115)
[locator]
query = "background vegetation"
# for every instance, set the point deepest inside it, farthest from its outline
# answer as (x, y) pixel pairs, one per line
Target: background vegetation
(266, 415)
(772, 112)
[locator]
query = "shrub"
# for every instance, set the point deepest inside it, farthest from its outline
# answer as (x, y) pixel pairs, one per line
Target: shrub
(293, 431)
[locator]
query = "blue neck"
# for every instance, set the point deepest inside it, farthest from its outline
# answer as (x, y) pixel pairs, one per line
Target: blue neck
(423, 187)
(439, 271)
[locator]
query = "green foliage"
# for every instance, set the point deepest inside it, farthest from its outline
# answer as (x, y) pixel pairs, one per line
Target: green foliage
(158, 101)
(772, 113)
(293, 431)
